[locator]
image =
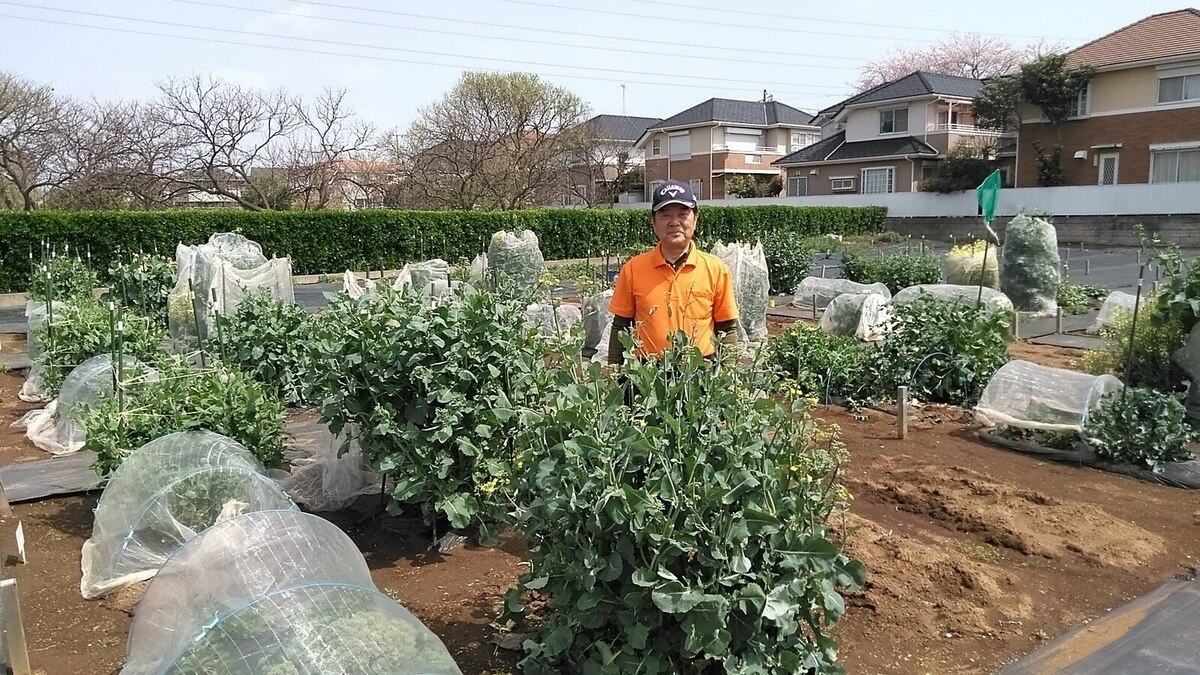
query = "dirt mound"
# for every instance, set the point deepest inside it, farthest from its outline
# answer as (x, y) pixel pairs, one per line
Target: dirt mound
(934, 585)
(1001, 514)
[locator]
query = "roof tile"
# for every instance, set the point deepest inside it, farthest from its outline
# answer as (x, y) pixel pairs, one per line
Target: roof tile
(1157, 36)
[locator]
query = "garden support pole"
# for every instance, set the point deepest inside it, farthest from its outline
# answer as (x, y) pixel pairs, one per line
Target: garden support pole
(1016, 325)
(1137, 302)
(902, 412)
(1058, 322)
(814, 306)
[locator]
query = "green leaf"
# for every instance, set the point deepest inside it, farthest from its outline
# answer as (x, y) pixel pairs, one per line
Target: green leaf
(673, 598)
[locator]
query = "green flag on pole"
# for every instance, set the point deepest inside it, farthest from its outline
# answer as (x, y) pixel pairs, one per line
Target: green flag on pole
(987, 193)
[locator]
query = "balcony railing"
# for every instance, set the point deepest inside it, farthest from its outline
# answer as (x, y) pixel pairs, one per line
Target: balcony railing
(964, 128)
(759, 149)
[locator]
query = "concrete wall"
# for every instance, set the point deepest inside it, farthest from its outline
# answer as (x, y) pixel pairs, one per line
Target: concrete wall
(1183, 230)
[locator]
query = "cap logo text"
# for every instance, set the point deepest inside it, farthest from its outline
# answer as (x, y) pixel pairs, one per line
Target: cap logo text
(673, 190)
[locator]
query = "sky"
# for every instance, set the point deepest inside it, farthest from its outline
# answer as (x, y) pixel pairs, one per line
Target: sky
(394, 57)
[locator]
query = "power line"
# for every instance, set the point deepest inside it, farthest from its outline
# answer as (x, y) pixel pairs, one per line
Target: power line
(359, 45)
(372, 10)
(376, 24)
(369, 57)
(678, 19)
(777, 16)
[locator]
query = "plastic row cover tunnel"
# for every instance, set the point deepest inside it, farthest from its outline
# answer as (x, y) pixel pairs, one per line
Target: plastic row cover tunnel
(163, 495)
(276, 592)
(36, 315)
(963, 295)
(825, 290)
(57, 428)
(1029, 396)
(751, 285)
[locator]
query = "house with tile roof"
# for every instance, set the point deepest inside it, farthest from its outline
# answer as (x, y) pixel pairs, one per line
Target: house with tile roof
(1138, 121)
(593, 173)
(721, 138)
(891, 137)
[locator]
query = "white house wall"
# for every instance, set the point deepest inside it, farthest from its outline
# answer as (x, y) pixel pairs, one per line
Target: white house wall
(862, 124)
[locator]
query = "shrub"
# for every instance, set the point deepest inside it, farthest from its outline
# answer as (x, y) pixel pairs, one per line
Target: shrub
(1079, 298)
(753, 186)
(686, 533)
(820, 365)
(434, 391)
(218, 399)
(962, 169)
(329, 241)
(1141, 426)
(267, 339)
(897, 271)
(944, 352)
(142, 284)
(83, 328)
(889, 237)
(1151, 364)
(62, 278)
(788, 262)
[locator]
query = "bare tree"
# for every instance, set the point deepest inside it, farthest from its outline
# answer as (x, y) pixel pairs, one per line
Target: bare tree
(33, 130)
(217, 132)
(494, 141)
(330, 160)
(962, 54)
(593, 168)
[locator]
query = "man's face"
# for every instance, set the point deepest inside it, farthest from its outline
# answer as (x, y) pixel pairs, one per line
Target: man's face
(675, 225)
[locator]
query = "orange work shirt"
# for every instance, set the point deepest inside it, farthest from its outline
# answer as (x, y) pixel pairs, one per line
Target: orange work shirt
(662, 300)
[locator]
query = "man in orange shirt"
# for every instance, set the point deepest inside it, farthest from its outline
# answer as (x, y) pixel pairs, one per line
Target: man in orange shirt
(674, 287)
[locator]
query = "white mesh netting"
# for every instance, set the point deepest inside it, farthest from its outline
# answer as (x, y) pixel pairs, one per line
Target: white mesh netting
(963, 295)
(57, 428)
(354, 287)
(318, 477)
(965, 266)
(424, 275)
(1114, 304)
(479, 265)
(163, 495)
(597, 325)
(213, 278)
(826, 290)
(552, 321)
(865, 316)
(35, 316)
(1029, 396)
(751, 286)
(516, 255)
(276, 592)
(1030, 269)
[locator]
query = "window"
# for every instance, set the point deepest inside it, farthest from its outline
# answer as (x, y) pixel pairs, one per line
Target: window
(656, 147)
(878, 181)
(928, 170)
(697, 187)
(842, 183)
(803, 139)
(681, 145)
(1180, 88)
(894, 121)
(754, 159)
(798, 186)
(1080, 109)
(743, 139)
(1175, 166)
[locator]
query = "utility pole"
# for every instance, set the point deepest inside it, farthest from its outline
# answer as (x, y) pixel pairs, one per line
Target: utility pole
(622, 98)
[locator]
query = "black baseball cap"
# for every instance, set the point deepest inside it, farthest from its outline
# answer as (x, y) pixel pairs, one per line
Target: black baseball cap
(673, 192)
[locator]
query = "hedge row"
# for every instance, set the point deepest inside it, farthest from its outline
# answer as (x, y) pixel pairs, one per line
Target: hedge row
(319, 242)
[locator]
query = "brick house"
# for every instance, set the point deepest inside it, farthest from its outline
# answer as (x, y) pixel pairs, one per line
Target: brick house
(719, 138)
(891, 137)
(1138, 121)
